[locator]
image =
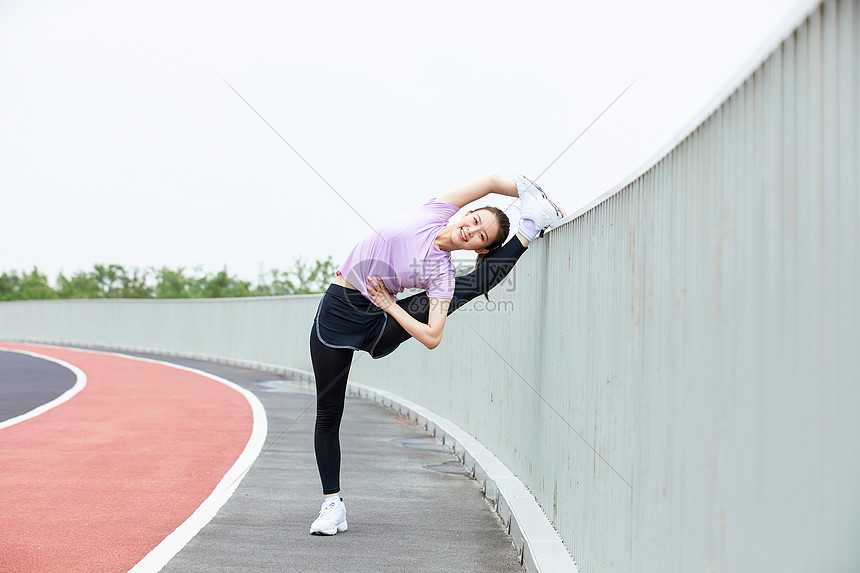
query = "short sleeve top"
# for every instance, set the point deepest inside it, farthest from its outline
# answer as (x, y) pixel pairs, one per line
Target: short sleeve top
(402, 253)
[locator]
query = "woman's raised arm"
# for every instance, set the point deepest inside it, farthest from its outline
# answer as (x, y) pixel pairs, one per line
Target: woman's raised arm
(475, 190)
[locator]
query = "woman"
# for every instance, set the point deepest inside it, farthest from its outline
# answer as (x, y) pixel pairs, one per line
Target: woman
(412, 250)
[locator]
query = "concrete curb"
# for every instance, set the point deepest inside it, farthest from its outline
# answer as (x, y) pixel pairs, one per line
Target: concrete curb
(540, 548)
(539, 545)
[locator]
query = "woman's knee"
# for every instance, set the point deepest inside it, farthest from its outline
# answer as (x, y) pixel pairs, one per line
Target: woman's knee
(328, 418)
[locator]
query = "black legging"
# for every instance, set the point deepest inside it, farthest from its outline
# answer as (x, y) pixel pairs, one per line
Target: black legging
(331, 365)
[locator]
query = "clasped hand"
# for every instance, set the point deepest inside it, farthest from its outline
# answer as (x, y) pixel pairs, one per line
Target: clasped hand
(379, 294)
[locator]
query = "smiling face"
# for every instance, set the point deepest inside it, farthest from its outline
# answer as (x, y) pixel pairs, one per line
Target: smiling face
(475, 231)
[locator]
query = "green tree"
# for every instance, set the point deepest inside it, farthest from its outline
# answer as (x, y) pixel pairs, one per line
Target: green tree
(108, 279)
(171, 283)
(115, 282)
(315, 277)
(302, 278)
(133, 284)
(220, 285)
(35, 286)
(9, 283)
(80, 285)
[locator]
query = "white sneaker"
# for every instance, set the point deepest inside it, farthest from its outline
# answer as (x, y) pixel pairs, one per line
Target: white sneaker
(535, 205)
(332, 518)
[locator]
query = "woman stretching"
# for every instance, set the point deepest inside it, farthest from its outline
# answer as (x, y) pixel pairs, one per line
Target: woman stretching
(409, 251)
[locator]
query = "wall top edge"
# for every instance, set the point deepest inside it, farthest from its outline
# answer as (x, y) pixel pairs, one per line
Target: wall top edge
(164, 300)
(766, 49)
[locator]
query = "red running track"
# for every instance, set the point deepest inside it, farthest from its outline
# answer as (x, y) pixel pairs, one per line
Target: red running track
(97, 482)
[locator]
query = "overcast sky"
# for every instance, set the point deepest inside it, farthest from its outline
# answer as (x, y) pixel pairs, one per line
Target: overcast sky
(120, 142)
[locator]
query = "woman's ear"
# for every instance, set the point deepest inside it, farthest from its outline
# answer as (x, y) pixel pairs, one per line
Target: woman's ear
(482, 251)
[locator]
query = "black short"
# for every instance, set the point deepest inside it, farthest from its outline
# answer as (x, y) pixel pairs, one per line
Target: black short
(346, 319)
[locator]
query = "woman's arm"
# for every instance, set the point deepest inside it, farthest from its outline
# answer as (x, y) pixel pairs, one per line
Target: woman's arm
(430, 334)
(495, 269)
(464, 195)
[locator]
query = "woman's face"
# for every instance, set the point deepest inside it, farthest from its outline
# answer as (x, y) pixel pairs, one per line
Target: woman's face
(475, 231)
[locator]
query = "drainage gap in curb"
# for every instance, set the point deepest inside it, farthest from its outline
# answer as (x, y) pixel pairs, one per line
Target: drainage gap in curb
(430, 443)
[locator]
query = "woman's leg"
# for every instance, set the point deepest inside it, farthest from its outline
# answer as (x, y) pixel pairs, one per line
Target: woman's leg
(467, 287)
(495, 269)
(331, 369)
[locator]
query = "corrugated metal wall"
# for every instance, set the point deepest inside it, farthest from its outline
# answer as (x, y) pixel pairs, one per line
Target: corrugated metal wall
(679, 380)
(678, 377)
(267, 330)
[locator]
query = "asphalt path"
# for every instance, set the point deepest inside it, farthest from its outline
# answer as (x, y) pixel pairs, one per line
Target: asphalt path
(27, 382)
(409, 506)
(403, 513)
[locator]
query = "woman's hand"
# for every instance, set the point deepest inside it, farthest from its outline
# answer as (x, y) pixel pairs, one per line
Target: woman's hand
(430, 334)
(379, 294)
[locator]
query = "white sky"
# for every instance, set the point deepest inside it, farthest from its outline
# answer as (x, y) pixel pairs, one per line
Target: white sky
(120, 143)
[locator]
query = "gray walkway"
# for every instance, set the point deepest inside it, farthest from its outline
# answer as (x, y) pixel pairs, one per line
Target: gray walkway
(27, 382)
(402, 516)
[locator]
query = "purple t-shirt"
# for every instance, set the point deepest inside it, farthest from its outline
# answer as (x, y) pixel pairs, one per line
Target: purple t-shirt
(402, 253)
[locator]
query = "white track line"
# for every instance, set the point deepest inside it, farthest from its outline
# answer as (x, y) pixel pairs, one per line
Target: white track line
(80, 383)
(156, 559)
(173, 543)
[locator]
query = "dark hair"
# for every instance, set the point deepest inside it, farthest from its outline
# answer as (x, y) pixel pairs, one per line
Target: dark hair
(504, 229)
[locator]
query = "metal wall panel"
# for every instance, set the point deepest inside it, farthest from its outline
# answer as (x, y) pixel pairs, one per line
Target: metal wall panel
(677, 378)
(271, 330)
